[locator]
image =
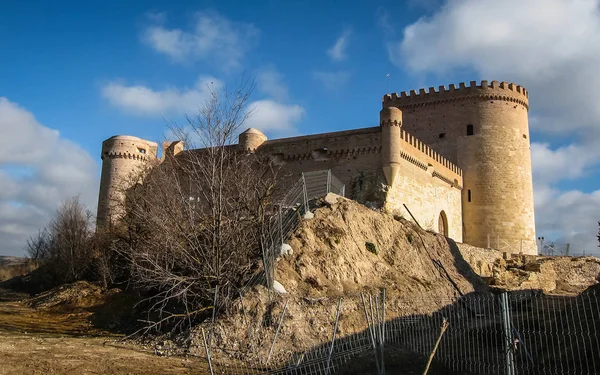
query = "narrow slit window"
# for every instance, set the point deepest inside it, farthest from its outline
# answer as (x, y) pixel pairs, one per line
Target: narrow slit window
(442, 135)
(469, 129)
(469, 195)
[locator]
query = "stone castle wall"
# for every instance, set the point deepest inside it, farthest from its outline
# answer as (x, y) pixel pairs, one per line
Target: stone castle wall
(497, 196)
(459, 155)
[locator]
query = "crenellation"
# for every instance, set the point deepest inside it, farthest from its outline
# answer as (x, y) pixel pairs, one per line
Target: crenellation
(432, 90)
(484, 84)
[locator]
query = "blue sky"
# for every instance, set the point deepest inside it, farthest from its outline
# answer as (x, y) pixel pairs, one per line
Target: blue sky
(75, 73)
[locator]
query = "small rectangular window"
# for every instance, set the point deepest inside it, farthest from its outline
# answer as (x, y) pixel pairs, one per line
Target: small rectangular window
(442, 135)
(469, 129)
(469, 195)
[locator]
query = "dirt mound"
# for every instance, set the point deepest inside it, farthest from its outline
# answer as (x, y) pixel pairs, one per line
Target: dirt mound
(80, 294)
(346, 249)
(105, 309)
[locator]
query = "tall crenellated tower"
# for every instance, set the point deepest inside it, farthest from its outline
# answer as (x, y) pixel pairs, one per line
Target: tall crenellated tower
(122, 157)
(390, 120)
(484, 130)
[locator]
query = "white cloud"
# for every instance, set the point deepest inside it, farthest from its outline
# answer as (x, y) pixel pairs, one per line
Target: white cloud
(213, 37)
(337, 52)
(274, 117)
(332, 81)
(144, 101)
(548, 46)
(271, 83)
(38, 170)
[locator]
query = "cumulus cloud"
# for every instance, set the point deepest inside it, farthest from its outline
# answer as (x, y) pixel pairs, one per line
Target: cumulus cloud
(38, 170)
(144, 101)
(272, 113)
(271, 116)
(332, 81)
(337, 52)
(271, 83)
(550, 47)
(212, 37)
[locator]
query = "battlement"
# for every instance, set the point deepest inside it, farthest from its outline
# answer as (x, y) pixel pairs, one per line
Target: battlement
(124, 155)
(128, 147)
(417, 152)
(484, 90)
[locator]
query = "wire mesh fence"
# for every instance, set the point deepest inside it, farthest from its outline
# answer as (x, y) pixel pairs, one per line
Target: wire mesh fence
(296, 204)
(514, 333)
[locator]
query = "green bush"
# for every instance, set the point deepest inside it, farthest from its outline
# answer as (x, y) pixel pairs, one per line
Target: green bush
(371, 247)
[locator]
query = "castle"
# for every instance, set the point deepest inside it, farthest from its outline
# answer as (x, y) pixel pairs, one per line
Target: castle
(458, 158)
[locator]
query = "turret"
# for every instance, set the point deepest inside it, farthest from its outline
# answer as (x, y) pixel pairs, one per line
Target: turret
(122, 157)
(251, 139)
(390, 120)
(171, 148)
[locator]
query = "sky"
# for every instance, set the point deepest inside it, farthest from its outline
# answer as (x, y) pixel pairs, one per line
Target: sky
(74, 73)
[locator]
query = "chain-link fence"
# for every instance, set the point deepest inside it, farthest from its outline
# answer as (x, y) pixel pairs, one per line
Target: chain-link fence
(514, 333)
(296, 204)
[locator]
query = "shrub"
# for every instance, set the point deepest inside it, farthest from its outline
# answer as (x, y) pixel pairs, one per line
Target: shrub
(371, 247)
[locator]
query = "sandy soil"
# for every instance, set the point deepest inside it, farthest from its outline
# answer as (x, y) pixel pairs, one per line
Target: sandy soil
(33, 341)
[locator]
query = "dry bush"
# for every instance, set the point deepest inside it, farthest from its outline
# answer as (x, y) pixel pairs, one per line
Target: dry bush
(64, 246)
(193, 224)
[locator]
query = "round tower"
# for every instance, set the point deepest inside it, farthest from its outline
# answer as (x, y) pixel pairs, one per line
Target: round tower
(390, 120)
(122, 157)
(251, 139)
(483, 129)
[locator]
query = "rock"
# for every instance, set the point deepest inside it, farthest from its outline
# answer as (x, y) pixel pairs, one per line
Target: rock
(285, 249)
(331, 199)
(308, 215)
(278, 287)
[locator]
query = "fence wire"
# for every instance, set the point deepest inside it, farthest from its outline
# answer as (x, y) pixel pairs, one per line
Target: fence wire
(514, 333)
(296, 204)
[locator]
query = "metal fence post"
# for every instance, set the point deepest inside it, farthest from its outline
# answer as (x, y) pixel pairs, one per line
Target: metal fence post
(280, 225)
(506, 323)
(277, 332)
(335, 326)
(304, 193)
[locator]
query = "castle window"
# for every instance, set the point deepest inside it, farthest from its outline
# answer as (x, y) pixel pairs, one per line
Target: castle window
(442, 135)
(142, 150)
(469, 129)
(525, 136)
(469, 195)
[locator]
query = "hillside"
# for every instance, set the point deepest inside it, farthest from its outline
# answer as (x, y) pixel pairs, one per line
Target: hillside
(346, 249)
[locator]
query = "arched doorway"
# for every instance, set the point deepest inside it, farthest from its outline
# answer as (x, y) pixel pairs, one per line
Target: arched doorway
(443, 224)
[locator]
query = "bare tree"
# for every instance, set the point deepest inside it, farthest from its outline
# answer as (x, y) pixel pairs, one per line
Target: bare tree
(65, 245)
(194, 223)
